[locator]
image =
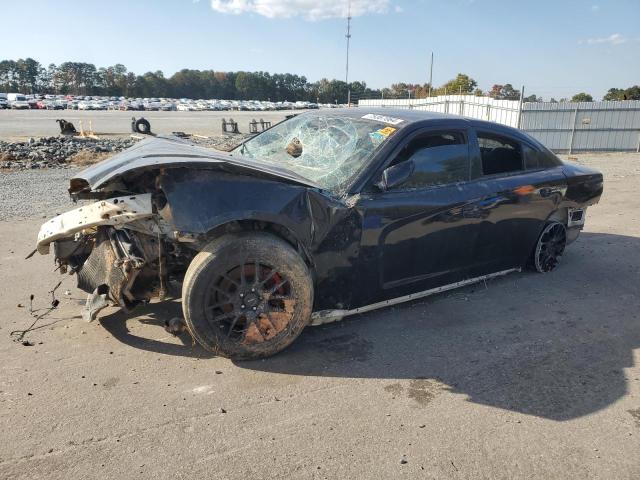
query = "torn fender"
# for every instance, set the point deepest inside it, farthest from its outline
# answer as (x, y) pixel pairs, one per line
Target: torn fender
(198, 201)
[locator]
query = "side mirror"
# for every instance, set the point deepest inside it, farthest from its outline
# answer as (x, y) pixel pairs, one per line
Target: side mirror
(395, 175)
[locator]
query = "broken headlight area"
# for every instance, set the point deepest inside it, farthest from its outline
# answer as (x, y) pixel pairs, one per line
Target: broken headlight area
(119, 266)
(121, 250)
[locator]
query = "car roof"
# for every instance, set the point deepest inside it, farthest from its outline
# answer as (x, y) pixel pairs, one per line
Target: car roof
(423, 118)
(407, 115)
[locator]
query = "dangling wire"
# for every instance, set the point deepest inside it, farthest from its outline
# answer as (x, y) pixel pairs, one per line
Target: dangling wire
(18, 335)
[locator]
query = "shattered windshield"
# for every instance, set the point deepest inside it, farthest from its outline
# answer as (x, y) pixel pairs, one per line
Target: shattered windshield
(324, 148)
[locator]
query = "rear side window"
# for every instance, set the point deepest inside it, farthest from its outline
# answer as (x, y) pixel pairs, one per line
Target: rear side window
(532, 158)
(499, 154)
(439, 159)
(535, 159)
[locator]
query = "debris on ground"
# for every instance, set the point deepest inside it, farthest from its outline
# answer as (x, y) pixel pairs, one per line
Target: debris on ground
(175, 326)
(66, 151)
(38, 313)
(58, 152)
(66, 128)
(140, 125)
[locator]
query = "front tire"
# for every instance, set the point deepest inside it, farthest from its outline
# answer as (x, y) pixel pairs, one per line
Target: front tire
(247, 295)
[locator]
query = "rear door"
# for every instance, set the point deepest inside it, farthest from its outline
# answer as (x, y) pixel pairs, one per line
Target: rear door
(521, 189)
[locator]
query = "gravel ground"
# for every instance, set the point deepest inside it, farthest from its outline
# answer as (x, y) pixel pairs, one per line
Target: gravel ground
(529, 377)
(34, 193)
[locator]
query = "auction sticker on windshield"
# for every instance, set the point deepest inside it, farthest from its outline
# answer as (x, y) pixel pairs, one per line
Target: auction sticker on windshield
(382, 118)
(386, 131)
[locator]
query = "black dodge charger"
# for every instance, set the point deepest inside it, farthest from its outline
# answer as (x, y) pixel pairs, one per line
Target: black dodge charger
(327, 214)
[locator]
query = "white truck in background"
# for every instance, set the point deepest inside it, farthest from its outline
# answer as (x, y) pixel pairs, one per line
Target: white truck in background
(17, 101)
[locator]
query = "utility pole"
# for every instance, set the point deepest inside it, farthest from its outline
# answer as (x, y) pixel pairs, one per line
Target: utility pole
(431, 75)
(348, 36)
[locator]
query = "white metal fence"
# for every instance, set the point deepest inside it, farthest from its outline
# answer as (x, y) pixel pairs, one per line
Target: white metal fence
(586, 126)
(562, 127)
(484, 108)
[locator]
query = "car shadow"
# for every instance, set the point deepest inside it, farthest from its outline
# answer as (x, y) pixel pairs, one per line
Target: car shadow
(552, 345)
(154, 314)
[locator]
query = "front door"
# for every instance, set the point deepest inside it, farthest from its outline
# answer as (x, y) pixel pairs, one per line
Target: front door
(420, 233)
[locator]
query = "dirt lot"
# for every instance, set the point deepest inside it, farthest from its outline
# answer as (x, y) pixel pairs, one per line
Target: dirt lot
(21, 124)
(536, 376)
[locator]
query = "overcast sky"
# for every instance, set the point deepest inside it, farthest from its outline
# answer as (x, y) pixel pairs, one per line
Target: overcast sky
(553, 47)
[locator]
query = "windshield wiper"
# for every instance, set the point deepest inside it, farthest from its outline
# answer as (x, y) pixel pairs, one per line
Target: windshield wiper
(243, 147)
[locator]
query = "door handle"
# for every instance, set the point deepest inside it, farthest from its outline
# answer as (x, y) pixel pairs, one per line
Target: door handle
(547, 192)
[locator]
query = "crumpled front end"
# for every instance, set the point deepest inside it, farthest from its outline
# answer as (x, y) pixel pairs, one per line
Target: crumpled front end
(115, 247)
(157, 204)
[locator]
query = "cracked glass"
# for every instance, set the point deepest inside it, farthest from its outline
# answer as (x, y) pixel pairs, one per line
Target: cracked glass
(324, 148)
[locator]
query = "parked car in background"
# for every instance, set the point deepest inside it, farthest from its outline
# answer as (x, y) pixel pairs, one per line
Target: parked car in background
(56, 105)
(93, 102)
(18, 101)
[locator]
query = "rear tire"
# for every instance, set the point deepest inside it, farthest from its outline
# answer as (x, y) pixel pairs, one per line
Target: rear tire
(549, 248)
(247, 295)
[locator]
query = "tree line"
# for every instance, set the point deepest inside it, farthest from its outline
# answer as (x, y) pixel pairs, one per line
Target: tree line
(79, 78)
(28, 76)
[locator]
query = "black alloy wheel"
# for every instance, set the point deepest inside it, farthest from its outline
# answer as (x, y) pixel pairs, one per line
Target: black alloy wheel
(550, 247)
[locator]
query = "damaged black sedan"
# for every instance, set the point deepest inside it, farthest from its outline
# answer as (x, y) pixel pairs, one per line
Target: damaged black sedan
(327, 214)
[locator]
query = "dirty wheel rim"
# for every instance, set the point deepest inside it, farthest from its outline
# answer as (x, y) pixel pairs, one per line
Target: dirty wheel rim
(250, 303)
(550, 247)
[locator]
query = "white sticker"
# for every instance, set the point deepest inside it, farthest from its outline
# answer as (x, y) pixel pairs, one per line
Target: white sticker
(383, 118)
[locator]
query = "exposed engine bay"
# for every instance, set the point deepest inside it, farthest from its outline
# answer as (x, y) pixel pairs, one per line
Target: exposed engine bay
(120, 250)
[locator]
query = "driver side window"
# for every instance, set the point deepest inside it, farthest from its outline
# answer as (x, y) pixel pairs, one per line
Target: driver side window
(438, 159)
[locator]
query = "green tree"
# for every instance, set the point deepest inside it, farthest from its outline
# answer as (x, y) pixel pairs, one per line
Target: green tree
(152, 84)
(329, 91)
(78, 78)
(631, 93)
(532, 99)
(614, 94)
(28, 72)
(504, 92)
(8, 76)
(582, 97)
(461, 84)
